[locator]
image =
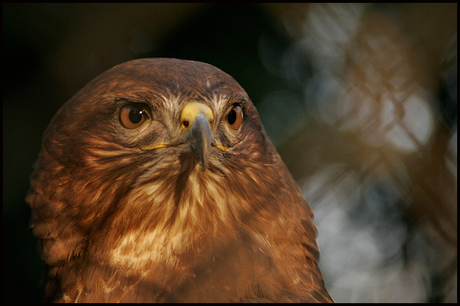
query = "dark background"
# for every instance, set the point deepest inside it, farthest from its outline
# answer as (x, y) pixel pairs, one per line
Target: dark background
(360, 100)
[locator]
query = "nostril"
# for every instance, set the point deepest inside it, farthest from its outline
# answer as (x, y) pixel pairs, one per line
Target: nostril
(185, 123)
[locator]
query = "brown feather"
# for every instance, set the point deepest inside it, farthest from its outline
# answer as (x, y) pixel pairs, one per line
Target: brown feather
(120, 224)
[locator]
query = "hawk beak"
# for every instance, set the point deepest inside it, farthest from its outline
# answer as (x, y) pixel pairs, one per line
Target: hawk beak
(196, 120)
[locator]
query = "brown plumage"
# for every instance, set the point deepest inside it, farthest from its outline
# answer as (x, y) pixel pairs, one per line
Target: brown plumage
(156, 182)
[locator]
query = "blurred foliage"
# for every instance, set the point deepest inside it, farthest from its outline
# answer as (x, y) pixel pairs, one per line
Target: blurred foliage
(360, 100)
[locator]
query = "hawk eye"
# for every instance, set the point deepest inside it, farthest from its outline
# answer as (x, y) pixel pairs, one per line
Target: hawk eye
(235, 117)
(133, 115)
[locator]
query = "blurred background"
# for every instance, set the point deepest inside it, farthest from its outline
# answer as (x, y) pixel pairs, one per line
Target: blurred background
(359, 99)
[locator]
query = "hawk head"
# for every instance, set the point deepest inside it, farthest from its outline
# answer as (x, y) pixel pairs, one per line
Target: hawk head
(157, 182)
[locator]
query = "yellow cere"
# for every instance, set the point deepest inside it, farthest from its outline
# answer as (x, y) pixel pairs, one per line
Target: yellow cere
(191, 110)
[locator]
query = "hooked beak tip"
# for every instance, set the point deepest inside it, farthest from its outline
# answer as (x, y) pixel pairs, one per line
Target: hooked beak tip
(199, 136)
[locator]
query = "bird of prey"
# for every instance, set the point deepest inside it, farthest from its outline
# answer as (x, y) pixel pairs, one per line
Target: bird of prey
(156, 182)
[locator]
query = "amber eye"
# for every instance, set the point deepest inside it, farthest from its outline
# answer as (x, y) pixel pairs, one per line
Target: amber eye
(235, 117)
(133, 115)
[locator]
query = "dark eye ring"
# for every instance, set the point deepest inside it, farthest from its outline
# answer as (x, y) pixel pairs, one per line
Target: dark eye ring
(133, 115)
(235, 116)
